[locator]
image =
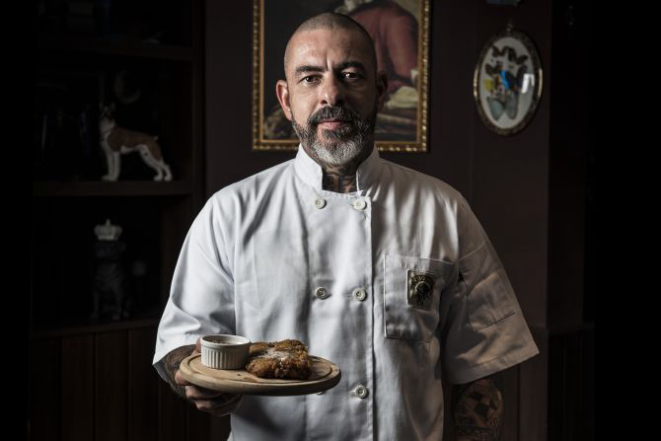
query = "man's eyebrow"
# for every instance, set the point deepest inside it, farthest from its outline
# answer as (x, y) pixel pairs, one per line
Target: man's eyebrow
(309, 68)
(356, 64)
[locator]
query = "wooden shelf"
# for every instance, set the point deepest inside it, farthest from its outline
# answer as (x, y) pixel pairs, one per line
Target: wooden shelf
(110, 46)
(97, 326)
(110, 189)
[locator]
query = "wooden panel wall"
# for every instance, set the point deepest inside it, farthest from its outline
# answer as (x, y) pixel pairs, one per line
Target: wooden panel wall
(102, 386)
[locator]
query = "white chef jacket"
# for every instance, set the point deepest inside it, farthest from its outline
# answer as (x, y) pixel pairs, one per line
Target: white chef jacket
(256, 255)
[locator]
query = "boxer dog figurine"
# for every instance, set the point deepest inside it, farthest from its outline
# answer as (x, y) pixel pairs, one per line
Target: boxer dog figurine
(117, 141)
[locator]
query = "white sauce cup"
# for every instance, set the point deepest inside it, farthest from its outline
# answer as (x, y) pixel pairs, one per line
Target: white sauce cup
(225, 351)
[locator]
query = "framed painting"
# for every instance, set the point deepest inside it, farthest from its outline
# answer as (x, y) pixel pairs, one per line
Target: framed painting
(402, 53)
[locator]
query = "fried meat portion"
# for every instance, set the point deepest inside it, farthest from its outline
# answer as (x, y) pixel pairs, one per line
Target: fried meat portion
(280, 359)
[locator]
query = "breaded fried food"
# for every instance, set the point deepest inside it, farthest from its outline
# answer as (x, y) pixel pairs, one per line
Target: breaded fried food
(280, 359)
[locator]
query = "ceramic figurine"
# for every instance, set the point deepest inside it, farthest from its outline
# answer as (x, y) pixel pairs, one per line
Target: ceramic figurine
(111, 296)
(117, 141)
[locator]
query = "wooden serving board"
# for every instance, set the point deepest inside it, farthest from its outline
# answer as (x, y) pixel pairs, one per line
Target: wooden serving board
(325, 375)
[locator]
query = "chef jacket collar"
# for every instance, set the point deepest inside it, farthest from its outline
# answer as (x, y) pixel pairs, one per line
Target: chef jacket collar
(311, 172)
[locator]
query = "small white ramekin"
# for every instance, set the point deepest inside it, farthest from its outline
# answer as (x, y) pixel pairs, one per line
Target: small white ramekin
(225, 351)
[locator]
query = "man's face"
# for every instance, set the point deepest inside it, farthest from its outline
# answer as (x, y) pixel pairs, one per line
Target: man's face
(332, 94)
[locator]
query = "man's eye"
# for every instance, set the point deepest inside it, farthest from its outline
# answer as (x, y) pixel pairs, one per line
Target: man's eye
(309, 79)
(350, 75)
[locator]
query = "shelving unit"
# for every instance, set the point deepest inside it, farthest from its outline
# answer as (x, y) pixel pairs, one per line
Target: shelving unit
(117, 189)
(148, 60)
(118, 47)
(88, 57)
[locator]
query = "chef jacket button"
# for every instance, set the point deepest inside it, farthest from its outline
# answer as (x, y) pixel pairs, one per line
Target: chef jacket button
(321, 392)
(360, 391)
(359, 204)
(321, 293)
(320, 203)
(359, 294)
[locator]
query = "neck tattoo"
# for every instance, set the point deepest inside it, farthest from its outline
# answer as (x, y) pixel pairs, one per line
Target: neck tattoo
(341, 178)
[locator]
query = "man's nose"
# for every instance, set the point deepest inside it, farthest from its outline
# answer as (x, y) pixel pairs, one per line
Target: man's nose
(332, 92)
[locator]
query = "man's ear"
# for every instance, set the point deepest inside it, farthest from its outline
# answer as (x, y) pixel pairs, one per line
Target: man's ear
(381, 88)
(282, 92)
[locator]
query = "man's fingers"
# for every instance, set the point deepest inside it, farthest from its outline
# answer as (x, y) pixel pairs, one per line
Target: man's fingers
(219, 407)
(180, 380)
(199, 393)
(228, 403)
(206, 399)
(195, 392)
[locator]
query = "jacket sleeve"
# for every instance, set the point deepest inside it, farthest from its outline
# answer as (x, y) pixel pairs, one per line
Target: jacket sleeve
(201, 298)
(484, 330)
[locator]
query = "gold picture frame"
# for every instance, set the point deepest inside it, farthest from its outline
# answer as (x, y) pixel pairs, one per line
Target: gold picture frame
(402, 124)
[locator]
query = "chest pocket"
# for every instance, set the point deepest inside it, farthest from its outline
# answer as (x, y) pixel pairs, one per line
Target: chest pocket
(412, 295)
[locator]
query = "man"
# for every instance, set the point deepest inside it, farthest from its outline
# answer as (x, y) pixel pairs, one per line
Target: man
(376, 267)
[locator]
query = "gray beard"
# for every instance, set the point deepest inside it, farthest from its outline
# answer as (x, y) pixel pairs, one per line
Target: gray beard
(339, 153)
(342, 148)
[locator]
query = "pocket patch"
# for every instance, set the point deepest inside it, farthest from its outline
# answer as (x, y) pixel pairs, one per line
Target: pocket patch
(420, 289)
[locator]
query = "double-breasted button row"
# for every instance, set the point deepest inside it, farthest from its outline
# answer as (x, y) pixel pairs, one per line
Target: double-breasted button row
(358, 293)
(321, 293)
(360, 391)
(359, 204)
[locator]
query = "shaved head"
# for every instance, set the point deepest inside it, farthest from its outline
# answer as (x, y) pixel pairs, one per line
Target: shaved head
(330, 20)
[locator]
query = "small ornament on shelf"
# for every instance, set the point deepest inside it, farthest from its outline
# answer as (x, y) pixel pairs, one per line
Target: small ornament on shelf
(117, 141)
(111, 296)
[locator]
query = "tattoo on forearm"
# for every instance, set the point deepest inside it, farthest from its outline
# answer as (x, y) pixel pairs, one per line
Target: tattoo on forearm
(171, 365)
(478, 410)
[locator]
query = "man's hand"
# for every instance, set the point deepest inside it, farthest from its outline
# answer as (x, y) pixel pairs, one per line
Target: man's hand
(206, 400)
(478, 409)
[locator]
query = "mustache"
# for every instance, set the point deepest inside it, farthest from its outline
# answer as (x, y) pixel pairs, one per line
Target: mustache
(333, 112)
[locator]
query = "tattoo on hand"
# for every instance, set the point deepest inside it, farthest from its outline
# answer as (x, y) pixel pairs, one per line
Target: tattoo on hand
(478, 410)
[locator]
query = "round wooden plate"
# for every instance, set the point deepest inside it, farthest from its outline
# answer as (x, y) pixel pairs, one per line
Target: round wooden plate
(325, 375)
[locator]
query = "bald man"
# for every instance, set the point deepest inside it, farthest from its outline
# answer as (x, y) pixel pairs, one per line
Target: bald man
(379, 268)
